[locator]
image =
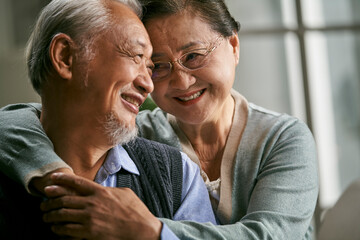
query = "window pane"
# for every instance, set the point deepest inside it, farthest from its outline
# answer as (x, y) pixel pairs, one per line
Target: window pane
(262, 14)
(262, 75)
(319, 13)
(344, 56)
(335, 93)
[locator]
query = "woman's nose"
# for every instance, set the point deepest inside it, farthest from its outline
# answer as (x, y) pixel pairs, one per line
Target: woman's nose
(181, 79)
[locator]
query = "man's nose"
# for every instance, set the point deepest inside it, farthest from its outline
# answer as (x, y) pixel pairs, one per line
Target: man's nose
(144, 82)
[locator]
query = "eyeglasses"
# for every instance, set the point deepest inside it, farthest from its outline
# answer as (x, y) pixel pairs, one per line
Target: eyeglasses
(192, 60)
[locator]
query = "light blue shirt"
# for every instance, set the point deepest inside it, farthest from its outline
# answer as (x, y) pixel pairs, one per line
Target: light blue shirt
(195, 203)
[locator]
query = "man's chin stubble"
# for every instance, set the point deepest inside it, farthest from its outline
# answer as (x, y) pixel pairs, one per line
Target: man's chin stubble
(118, 132)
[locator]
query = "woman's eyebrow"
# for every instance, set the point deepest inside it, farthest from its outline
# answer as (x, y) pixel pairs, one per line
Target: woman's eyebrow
(188, 45)
(182, 48)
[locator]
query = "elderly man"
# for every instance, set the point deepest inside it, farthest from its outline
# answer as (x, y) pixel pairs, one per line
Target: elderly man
(90, 62)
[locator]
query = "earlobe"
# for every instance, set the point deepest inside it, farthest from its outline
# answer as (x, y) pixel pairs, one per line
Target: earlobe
(61, 55)
(235, 43)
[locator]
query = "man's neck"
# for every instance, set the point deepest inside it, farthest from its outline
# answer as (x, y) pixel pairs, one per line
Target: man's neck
(80, 144)
(81, 156)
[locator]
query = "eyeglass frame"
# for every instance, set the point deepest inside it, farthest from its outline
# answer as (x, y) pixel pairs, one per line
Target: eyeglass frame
(209, 50)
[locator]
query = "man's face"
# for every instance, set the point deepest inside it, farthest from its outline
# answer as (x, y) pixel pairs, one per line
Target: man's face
(118, 77)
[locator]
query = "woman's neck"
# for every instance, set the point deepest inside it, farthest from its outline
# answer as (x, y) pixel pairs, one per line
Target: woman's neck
(208, 139)
(213, 129)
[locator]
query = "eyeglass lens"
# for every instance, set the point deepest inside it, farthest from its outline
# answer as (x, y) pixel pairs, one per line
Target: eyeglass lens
(191, 60)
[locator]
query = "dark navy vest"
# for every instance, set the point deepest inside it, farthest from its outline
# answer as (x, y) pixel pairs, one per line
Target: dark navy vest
(159, 186)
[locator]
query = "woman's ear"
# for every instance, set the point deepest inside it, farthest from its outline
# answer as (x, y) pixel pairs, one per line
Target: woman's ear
(235, 43)
(61, 55)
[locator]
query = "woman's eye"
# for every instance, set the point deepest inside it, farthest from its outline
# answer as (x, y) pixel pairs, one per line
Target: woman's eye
(191, 56)
(161, 66)
(157, 65)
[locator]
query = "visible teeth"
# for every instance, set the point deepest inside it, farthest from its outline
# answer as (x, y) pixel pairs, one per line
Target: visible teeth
(196, 95)
(130, 100)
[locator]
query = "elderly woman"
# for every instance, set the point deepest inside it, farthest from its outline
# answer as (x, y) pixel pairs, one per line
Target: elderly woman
(259, 166)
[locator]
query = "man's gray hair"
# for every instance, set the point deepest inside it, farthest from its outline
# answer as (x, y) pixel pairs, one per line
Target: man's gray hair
(82, 20)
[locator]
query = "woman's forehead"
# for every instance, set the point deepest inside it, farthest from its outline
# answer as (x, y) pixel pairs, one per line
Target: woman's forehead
(179, 30)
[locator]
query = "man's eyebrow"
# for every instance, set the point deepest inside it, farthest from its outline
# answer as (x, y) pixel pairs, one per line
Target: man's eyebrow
(141, 42)
(127, 46)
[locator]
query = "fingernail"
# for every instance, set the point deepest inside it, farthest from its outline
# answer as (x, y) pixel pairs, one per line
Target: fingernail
(51, 187)
(56, 175)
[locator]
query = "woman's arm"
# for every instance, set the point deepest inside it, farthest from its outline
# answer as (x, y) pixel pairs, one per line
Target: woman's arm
(274, 190)
(26, 153)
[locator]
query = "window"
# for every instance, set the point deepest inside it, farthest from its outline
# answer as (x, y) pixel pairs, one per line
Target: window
(301, 57)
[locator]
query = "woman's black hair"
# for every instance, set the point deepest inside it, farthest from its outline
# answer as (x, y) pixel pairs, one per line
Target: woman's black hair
(214, 12)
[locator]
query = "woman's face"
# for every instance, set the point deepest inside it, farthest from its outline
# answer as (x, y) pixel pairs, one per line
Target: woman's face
(193, 96)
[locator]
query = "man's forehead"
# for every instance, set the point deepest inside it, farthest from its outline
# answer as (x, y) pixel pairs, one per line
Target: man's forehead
(121, 11)
(141, 42)
(132, 35)
(132, 43)
(129, 31)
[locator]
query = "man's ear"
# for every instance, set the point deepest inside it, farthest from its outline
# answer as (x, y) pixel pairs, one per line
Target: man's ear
(61, 55)
(235, 43)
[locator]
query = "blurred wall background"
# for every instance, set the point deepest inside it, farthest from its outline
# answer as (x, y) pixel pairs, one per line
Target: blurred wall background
(16, 19)
(301, 57)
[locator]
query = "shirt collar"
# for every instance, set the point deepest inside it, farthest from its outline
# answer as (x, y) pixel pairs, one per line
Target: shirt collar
(116, 159)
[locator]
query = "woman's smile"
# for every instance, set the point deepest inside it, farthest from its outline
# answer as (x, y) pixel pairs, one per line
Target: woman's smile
(190, 98)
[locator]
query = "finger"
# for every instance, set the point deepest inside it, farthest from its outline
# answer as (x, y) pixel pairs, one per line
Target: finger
(71, 231)
(65, 215)
(79, 184)
(73, 202)
(54, 191)
(39, 183)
